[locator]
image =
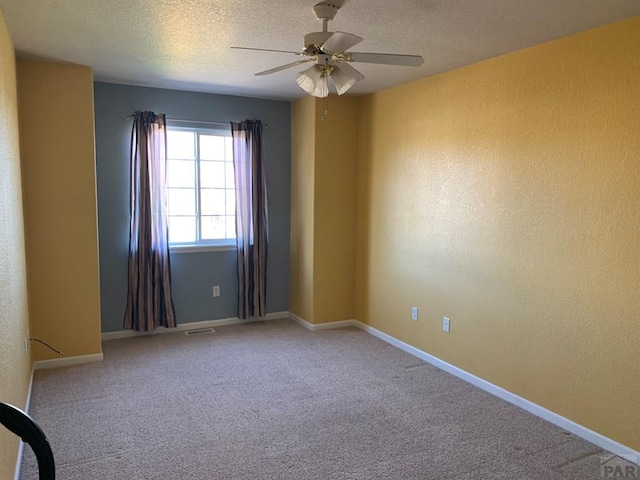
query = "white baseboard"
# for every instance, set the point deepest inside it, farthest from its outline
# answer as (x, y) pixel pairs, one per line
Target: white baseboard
(191, 325)
(27, 405)
(67, 361)
(314, 327)
(558, 420)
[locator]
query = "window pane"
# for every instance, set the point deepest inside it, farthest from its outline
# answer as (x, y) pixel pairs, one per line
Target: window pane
(231, 202)
(213, 227)
(181, 173)
(211, 147)
(231, 226)
(182, 201)
(231, 181)
(204, 160)
(182, 229)
(212, 174)
(180, 145)
(212, 201)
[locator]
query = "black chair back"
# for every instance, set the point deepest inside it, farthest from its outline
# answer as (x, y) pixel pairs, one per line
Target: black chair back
(26, 428)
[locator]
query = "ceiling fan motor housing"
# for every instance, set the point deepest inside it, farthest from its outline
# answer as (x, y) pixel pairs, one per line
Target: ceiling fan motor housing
(325, 11)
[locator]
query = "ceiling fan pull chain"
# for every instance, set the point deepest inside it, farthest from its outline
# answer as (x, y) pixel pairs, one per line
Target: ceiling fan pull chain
(325, 112)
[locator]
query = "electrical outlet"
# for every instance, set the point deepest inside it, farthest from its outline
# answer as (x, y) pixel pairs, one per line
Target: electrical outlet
(26, 345)
(216, 291)
(414, 313)
(445, 324)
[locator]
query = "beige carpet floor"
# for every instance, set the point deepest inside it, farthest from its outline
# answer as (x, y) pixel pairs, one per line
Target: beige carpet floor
(271, 400)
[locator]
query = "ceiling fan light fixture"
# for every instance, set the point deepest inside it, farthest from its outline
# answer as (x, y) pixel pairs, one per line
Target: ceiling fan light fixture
(314, 81)
(308, 79)
(322, 88)
(342, 80)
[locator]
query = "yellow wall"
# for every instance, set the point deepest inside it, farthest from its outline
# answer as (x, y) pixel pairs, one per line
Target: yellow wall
(58, 167)
(506, 195)
(335, 209)
(323, 208)
(302, 201)
(15, 367)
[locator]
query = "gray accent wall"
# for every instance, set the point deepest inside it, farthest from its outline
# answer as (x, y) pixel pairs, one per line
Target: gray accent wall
(193, 274)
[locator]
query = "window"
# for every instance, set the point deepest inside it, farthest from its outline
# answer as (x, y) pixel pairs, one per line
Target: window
(200, 187)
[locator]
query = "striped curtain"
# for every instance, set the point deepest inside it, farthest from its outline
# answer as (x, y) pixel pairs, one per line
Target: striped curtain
(149, 302)
(252, 226)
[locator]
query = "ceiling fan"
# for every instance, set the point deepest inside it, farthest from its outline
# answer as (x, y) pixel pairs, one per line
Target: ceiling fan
(327, 51)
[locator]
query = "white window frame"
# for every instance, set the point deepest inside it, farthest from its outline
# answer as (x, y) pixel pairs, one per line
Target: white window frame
(201, 245)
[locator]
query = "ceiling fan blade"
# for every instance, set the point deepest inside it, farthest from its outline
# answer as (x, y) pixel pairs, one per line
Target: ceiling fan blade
(348, 69)
(339, 42)
(267, 50)
(284, 67)
(385, 59)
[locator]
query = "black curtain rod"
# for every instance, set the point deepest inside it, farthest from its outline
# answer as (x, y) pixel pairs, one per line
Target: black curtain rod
(179, 120)
(202, 122)
(226, 124)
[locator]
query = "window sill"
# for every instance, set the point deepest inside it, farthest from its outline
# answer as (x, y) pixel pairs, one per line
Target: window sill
(201, 248)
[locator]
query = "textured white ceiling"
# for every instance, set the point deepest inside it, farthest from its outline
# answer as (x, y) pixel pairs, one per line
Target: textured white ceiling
(184, 44)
